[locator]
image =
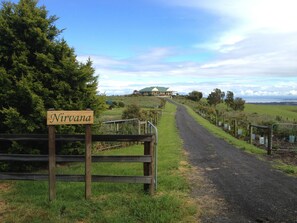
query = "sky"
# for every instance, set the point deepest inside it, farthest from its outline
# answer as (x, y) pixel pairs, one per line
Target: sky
(248, 47)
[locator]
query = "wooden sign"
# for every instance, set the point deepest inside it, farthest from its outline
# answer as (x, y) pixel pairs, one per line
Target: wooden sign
(70, 117)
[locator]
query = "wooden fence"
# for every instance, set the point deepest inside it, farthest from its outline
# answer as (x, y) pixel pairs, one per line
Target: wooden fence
(148, 159)
(268, 130)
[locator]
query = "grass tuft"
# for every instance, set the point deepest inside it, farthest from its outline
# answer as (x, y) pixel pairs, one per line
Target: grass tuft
(289, 169)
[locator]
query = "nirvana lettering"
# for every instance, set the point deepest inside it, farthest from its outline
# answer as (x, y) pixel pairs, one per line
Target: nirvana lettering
(69, 117)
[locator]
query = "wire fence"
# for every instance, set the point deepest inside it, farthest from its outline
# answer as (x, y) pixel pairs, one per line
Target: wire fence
(284, 136)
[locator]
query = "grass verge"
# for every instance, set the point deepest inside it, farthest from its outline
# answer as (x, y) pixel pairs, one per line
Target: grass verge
(289, 169)
(28, 201)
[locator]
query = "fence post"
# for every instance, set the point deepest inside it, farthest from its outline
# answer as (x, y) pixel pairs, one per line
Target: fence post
(139, 127)
(251, 133)
(148, 168)
(88, 161)
(52, 162)
(269, 140)
(235, 128)
(152, 166)
(117, 128)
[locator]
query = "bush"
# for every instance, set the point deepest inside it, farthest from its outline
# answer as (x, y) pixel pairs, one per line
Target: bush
(121, 104)
(132, 111)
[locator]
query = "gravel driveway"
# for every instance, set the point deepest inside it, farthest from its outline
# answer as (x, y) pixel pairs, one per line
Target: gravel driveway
(251, 189)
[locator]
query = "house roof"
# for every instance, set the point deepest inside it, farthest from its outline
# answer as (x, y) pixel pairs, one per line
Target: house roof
(151, 89)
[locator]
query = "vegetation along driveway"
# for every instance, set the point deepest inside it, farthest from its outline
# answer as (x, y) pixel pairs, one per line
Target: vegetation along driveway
(251, 189)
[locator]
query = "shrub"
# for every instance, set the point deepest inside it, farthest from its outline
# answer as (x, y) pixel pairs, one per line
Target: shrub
(121, 104)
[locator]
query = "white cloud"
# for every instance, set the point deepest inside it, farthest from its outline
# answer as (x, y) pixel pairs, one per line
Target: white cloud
(123, 76)
(273, 15)
(231, 74)
(293, 92)
(233, 62)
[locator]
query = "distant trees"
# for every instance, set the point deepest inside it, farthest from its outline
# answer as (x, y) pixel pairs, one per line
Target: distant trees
(195, 96)
(238, 104)
(229, 100)
(215, 97)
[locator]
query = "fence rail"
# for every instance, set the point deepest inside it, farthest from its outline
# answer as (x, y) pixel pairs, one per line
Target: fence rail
(76, 178)
(74, 158)
(75, 137)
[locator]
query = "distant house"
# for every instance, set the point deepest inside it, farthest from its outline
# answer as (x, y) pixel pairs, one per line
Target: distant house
(156, 91)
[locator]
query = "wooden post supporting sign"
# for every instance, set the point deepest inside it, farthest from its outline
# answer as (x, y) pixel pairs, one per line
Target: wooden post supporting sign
(88, 161)
(52, 161)
(69, 118)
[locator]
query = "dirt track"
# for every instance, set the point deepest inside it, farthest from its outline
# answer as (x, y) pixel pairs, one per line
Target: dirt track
(251, 189)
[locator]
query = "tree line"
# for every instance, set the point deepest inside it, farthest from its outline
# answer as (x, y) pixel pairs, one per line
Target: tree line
(217, 96)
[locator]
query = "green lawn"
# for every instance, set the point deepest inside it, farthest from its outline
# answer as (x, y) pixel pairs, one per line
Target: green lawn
(28, 201)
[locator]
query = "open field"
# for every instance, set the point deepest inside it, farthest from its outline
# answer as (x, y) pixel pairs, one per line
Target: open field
(287, 113)
(25, 201)
(141, 101)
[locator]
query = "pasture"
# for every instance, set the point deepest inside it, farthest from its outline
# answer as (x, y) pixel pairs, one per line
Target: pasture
(278, 112)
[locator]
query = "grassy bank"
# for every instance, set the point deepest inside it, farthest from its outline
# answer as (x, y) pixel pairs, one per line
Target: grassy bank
(28, 201)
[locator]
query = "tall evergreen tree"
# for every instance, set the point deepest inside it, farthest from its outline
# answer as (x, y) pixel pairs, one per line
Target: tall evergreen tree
(38, 70)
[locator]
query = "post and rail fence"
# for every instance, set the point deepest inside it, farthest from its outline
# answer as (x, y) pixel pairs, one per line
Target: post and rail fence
(269, 132)
(149, 177)
(148, 159)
